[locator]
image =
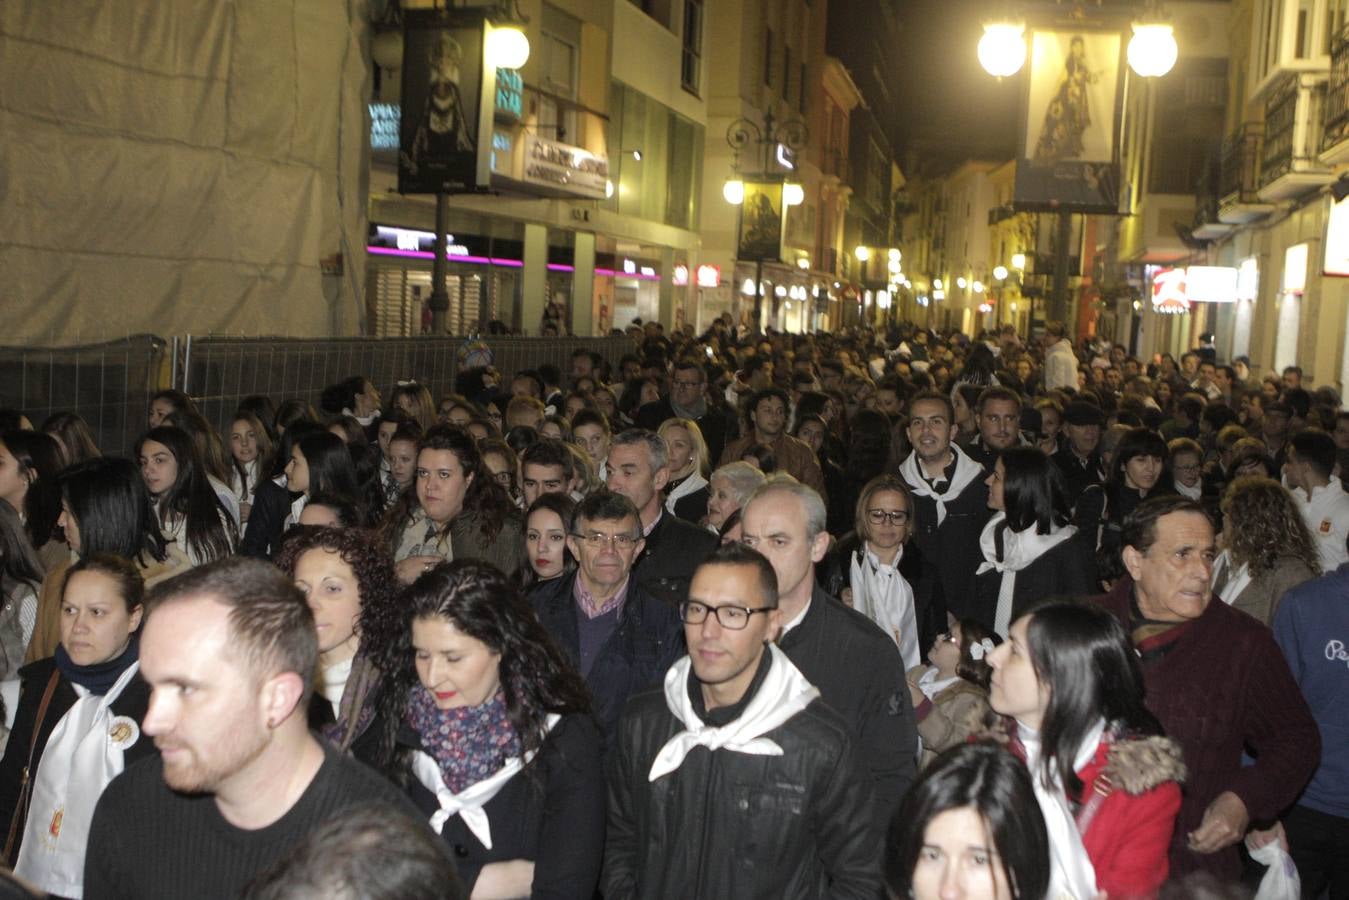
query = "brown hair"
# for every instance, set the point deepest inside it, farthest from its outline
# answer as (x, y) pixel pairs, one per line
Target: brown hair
(1262, 524)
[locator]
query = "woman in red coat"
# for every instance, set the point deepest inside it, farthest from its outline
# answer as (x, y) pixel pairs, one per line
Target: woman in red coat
(1070, 693)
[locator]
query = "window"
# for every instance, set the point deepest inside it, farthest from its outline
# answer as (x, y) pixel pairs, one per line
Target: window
(691, 62)
(768, 58)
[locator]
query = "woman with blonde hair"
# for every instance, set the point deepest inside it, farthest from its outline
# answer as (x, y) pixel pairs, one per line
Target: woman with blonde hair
(1268, 547)
(686, 492)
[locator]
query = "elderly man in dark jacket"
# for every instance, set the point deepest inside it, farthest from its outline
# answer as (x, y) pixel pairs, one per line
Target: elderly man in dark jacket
(620, 637)
(637, 469)
(1216, 681)
(736, 780)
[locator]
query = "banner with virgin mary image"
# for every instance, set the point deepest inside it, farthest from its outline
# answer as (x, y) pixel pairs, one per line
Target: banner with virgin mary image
(1069, 151)
(440, 122)
(761, 222)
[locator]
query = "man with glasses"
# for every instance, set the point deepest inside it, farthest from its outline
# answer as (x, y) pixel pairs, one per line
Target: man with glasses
(620, 637)
(735, 780)
(687, 399)
(855, 664)
(638, 469)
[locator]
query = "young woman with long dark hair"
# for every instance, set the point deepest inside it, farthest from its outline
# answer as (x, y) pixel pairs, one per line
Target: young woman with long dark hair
(969, 828)
(548, 522)
(190, 511)
(250, 458)
(1070, 692)
(1030, 549)
(320, 463)
(489, 727)
(457, 511)
(1137, 472)
(29, 464)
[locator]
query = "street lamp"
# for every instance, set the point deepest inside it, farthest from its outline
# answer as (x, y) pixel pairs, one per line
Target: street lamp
(1000, 272)
(793, 194)
(1019, 261)
(1152, 50)
(1002, 49)
(863, 253)
(733, 191)
(507, 47)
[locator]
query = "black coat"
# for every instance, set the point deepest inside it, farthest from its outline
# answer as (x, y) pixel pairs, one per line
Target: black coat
(132, 703)
(1066, 571)
(692, 508)
(1100, 513)
(551, 812)
(860, 675)
(673, 549)
(718, 425)
(738, 825)
(1077, 476)
(648, 638)
(953, 546)
(266, 521)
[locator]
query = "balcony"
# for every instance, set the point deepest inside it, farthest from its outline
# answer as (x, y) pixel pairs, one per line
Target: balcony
(1238, 182)
(1207, 225)
(1335, 113)
(1289, 166)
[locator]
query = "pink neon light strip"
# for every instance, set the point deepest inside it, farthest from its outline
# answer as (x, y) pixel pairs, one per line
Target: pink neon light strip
(498, 261)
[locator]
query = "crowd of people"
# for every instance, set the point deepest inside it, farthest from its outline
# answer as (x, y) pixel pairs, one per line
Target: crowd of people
(900, 614)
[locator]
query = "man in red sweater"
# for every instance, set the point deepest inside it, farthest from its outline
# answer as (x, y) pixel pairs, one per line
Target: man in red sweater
(1217, 682)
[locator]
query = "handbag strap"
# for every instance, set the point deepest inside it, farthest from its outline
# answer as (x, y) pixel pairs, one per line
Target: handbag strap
(25, 789)
(1100, 790)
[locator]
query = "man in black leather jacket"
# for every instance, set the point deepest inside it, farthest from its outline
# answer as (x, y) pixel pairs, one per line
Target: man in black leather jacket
(735, 780)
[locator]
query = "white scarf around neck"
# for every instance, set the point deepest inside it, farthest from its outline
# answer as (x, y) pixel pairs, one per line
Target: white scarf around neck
(1019, 550)
(882, 594)
(1071, 876)
(690, 485)
(967, 470)
(783, 693)
(468, 804)
(83, 754)
(1194, 493)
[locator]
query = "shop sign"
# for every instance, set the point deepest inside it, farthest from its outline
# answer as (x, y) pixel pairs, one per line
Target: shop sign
(1211, 284)
(1168, 291)
(574, 170)
(681, 275)
(383, 126)
(709, 276)
(510, 97)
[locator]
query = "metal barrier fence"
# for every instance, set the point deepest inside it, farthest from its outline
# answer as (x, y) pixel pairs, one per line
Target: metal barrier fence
(220, 372)
(108, 384)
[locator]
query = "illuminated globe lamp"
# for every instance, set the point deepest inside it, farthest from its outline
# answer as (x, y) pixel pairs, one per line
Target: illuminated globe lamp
(733, 191)
(863, 253)
(1152, 49)
(507, 47)
(793, 194)
(1002, 49)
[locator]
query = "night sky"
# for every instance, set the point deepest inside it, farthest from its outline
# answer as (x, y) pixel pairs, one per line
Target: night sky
(952, 110)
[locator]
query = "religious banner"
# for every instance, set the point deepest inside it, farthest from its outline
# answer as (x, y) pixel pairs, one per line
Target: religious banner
(444, 113)
(761, 222)
(1069, 151)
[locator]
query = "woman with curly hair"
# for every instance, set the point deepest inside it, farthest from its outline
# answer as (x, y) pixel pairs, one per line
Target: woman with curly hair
(1269, 549)
(489, 728)
(346, 574)
(456, 511)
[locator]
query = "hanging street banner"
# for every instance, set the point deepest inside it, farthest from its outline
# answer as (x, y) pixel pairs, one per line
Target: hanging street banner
(1069, 150)
(448, 99)
(761, 222)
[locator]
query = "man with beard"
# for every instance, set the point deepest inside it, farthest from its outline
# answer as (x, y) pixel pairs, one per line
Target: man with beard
(767, 424)
(229, 651)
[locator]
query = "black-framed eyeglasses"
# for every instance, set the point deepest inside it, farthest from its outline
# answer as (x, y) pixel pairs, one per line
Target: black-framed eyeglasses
(893, 516)
(734, 618)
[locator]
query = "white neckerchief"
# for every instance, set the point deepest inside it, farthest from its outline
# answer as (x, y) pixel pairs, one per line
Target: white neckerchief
(296, 507)
(365, 421)
(883, 595)
(931, 687)
(1071, 875)
(1237, 578)
(1019, 550)
(84, 753)
(783, 694)
(333, 681)
(468, 804)
(1193, 493)
(689, 485)
(967, 470)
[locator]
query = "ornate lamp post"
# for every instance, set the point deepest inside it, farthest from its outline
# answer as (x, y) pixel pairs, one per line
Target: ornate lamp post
(777, 143)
